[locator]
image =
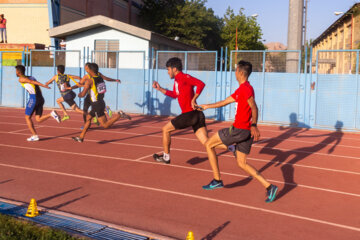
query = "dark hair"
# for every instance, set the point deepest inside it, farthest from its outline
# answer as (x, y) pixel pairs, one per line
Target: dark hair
(61, 68)
(20, 68)
(2, 15)
(245, 67)
(87, 64)
(94, 67)
(174, 63)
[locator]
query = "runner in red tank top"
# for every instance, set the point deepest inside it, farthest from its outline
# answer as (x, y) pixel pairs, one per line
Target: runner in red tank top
(183, 90)
(241, 134)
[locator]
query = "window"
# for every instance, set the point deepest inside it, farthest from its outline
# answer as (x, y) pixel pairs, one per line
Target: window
(105, 53)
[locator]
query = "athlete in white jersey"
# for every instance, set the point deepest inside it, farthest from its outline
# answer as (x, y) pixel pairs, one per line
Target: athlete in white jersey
(35, 103)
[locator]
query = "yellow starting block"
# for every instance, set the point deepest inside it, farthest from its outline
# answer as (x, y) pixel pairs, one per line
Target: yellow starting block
(32, 209)
(190, 236)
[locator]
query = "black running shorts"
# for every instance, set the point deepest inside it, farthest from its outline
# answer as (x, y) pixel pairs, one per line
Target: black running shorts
(241, 137)
(194, 119)
(69, 98)
(97, 108)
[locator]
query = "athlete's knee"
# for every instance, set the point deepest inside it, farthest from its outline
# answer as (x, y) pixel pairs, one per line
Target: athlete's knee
(27, 117)
(37, 118)
(58, 100)
(241, 160)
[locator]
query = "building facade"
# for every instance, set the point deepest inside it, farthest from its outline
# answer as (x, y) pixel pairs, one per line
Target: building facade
(343, 34)
(28, 21)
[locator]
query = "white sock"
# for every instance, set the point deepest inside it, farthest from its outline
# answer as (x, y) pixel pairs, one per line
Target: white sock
(166, 156)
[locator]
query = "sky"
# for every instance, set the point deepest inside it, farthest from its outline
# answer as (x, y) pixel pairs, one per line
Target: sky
(273, 15)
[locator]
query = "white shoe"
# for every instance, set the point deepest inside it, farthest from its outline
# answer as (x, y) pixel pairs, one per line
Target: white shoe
(55, 115)
(33, 138)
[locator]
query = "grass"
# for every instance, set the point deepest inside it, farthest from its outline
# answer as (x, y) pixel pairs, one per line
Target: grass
(15, 229)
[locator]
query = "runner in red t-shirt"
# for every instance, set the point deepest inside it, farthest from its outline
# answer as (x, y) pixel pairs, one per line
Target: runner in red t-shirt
(241, 133)
(184, 91)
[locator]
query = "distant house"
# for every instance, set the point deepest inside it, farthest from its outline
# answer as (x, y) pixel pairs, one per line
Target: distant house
(342, 34)
(100, 33)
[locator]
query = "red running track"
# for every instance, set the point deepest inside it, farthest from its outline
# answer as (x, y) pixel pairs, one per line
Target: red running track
(112, 177)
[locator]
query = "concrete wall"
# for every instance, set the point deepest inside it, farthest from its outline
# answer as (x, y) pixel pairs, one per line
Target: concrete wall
(27, 21)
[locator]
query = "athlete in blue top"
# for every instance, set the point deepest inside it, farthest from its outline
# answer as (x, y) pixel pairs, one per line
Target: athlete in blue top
(35, 103)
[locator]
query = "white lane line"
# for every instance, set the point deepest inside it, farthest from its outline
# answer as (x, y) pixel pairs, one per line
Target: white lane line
(225, 126)
(20, 130)
(178, 166)
(144, 157)
(174, 137)
(205, 153)
(190, 196)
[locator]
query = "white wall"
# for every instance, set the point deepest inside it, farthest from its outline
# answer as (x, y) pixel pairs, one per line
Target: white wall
(127, 42)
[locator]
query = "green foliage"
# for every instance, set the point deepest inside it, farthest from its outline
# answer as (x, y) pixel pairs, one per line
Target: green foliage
(197, 25)
(13, 229)
(249, 32)
(190, 20)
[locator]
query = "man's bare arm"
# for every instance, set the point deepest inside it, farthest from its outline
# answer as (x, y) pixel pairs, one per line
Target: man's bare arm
(222, 103)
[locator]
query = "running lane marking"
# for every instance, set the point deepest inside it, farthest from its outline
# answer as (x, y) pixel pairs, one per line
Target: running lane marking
(179, 166)
(190, 196)
(205, 153)
(174, 137)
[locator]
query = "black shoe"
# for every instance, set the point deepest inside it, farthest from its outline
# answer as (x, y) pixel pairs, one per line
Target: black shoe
(77, 139)
(124, 115)
(159, 158)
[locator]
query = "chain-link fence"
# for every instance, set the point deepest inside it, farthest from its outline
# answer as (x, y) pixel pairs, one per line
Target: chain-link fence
(256, 58)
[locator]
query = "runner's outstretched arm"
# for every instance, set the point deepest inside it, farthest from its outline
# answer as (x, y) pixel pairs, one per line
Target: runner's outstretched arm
(85, 89)
(50, 81)
(27, 80)
(222, 103)
(110, 79)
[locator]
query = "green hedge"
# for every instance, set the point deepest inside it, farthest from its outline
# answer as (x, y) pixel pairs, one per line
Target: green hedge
(14, 229)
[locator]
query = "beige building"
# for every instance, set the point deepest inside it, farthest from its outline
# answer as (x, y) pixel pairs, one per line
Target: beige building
(343, 34)
(28, 21)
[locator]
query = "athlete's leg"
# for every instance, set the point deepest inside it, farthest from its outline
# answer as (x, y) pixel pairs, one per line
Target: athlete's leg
(59, 102)
(166, 130)
(41, 118)
(202, 136)
(77, 109)
(241, 160)
(30, 124)
(86, 126)
(107, 123)
(211, 143)
(87, 104)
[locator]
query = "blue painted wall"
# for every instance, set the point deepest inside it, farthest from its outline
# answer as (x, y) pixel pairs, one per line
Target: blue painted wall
(282, 98)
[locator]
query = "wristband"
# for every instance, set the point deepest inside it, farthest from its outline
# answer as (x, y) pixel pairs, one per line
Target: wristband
(254, 125)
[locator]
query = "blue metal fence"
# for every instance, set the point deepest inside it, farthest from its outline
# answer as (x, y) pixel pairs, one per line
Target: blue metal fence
(285, 90)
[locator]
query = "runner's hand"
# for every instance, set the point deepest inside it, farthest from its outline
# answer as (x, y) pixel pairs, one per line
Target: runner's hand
(193, 104)
(156, 85)
(118, 80)
(255, 133)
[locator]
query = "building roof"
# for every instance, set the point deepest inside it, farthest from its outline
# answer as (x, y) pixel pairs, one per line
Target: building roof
(335, 24)
(99, 20)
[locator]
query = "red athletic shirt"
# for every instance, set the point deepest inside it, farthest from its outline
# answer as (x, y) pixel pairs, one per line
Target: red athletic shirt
(184, 90)
(243, 112)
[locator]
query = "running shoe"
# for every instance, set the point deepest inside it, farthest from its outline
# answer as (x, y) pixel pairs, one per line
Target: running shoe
(56, 116)
(66, 117)
(160, 158)
(214, 184)
(271, 193)
(124, 115)
(33, 138)
(95, 120)
(77, 139)
(108, 110)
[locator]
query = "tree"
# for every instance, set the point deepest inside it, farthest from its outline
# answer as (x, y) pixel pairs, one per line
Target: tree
(249, 32)
(190, 20)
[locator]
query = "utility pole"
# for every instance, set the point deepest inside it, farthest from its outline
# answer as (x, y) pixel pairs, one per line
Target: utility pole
(295, 38)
